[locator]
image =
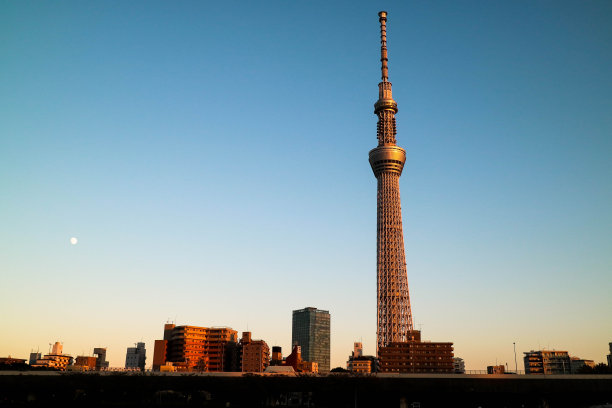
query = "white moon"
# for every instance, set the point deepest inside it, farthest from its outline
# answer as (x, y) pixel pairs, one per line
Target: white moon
(73, 241)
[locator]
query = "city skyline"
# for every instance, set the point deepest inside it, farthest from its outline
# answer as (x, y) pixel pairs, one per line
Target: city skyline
(205, 159)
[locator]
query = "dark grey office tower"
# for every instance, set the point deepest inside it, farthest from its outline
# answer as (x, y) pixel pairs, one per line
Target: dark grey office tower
(310, 331)
(136, 357)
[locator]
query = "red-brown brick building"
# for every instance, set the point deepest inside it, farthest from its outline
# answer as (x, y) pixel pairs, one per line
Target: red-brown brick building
(416, 356)
(193, 348)
(255, 354)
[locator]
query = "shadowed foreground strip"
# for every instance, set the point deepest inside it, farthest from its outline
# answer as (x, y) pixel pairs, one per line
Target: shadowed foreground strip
(113, 390)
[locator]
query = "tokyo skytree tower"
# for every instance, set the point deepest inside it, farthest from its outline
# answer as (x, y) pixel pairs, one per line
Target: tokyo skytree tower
(387, 161)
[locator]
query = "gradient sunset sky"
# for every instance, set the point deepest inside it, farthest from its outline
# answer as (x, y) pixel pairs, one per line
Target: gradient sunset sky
(211, 158)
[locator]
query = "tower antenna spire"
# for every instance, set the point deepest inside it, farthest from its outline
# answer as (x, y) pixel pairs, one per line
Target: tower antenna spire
(382, 17)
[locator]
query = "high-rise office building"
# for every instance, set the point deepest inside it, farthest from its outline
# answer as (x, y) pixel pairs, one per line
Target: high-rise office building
(394, 317)
(310, 331)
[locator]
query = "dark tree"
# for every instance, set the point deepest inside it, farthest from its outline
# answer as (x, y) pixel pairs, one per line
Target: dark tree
(600, 368)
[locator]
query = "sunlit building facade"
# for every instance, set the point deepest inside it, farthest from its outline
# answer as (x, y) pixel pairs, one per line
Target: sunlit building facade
(85, 363)
(416, 356)
(193, 348)
(277, 356)
(547, 362)
(496, 369)
(358, 363)
(255, 354)
(56, 360)
(159, 354)
(301, 366)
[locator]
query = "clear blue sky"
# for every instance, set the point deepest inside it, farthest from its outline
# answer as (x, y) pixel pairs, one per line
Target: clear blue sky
(212, 162)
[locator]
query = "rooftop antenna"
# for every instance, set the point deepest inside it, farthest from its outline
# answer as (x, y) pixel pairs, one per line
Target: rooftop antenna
(383, 46)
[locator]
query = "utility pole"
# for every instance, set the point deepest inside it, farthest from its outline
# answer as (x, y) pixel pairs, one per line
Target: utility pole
(515, 366)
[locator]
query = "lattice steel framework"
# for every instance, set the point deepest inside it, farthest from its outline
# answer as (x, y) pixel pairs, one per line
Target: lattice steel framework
(387, 161)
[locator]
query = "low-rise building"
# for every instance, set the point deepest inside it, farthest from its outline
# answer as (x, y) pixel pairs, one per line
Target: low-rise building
(458, 365)
(496, 369)
(277, 356)
(34, 355)
(101, 363)
(135, 357)
(416, 356)
(300, 366)
(547, 362)
(84, 363)
(56, 360)
(255, 354)
(280, 370)
(193, 348)
(358, 363)
(578, 364)
(308, 367)
(10, 361)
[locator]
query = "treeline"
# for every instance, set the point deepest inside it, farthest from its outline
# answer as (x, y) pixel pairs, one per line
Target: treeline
(600, 368)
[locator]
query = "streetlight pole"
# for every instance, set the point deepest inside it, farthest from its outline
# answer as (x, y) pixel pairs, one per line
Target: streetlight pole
(515, 366)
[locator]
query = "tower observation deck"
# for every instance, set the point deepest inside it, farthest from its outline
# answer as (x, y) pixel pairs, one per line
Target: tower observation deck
(394, 316)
